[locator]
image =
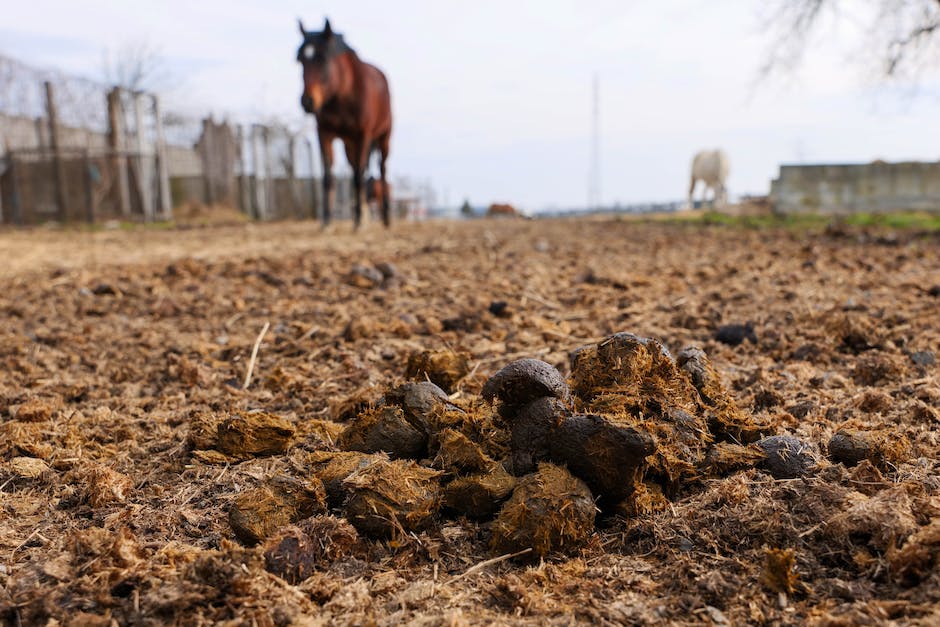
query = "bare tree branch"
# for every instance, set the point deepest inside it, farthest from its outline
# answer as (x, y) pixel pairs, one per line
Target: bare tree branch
(902, 40)
(136, 66)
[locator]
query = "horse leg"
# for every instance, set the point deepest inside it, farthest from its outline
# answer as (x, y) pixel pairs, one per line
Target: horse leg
(692, 193)
(386, 202)
(357, 151)
(329, 192)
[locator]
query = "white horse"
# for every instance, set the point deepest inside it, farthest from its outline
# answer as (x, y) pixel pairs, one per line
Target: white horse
(711, 167)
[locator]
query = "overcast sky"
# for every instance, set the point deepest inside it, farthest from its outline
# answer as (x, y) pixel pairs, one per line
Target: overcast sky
(493, 98)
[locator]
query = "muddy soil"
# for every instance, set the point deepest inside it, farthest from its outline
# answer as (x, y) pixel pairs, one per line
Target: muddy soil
(132, 491)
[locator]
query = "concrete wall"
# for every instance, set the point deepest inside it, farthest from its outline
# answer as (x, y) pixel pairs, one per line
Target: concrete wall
(862, 188)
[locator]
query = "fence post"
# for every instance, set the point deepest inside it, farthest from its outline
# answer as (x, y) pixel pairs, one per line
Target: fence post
(15, 193)
(166, 202)
(3, 169)
(144, 178)
(292, 176)
(56, 144)
(116, 143)
(261, 209)
(243, 183)
(204, 147)
(314, 188)
(40, 133)
(89, 183)
(269, 196)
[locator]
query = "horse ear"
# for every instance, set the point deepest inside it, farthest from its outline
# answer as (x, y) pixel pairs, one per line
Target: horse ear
(327, 30)
(300, 23)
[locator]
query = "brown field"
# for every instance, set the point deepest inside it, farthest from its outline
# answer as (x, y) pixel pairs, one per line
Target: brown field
(117, 348)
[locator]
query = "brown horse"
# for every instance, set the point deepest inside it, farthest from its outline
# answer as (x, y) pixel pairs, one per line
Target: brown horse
(351, 101)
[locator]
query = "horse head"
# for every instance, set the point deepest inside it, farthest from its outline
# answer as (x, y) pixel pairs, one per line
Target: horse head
(318, 54)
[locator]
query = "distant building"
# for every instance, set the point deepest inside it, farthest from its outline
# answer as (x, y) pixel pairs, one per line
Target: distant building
(857, 188)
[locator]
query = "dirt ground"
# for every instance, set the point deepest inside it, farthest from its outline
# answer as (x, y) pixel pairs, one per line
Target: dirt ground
(115, 345)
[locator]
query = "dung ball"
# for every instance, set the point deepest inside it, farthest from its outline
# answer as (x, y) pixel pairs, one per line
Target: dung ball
(787, 457)
(391, 497)
(523, 381)
(549, 511)
(384, 429)
(257, 513)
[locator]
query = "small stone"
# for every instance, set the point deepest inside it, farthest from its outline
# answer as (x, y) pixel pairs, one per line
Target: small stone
(923, 358)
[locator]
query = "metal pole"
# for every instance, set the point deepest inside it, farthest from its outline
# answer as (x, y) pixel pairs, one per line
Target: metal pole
(166, 200)
(56, 144)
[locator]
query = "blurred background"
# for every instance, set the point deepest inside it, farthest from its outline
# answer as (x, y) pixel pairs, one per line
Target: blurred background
(133, 110)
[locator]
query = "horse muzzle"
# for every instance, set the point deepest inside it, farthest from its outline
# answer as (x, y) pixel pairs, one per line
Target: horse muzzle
(312, 99)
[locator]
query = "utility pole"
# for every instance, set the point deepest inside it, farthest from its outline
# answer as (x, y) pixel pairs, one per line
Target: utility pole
(594, 167)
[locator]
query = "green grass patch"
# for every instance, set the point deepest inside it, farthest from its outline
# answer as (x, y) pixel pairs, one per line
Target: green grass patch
(902, 220)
